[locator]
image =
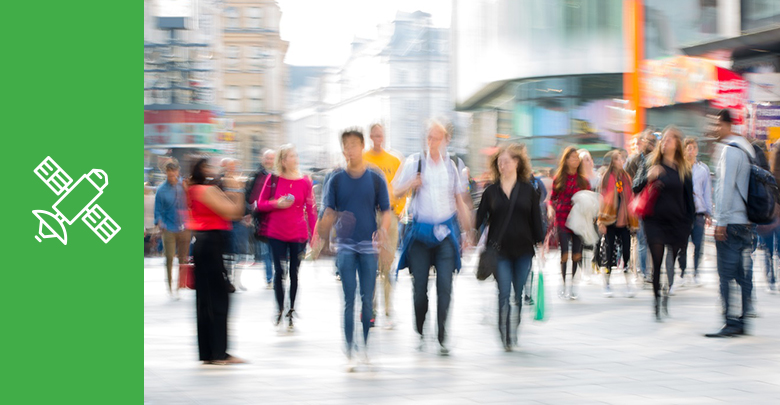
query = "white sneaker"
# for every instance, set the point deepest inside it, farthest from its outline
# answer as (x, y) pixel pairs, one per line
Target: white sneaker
(389, 324)
(681, 283)
(351, 366)
(771, 288)
(573, 293)
(696, 281)
(607, 291)
(672, 289)
(562, 291)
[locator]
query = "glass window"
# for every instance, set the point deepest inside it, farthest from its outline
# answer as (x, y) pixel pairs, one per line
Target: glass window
(254, 17)
(256, 57)
(233, 99)
(233, 54)
(231, 18)
(255, 94)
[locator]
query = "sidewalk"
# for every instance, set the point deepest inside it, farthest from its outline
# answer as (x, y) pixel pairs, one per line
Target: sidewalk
(592, 351)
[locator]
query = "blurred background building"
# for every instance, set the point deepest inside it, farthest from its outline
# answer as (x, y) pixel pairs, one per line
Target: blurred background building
(592, 73)
(213, 79)
(400, 78)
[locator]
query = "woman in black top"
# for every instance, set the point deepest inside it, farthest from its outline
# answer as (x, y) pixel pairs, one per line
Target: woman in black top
(511, 170)
(674, 211)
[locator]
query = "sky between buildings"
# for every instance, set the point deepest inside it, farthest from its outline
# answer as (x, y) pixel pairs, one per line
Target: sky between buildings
(320, 32)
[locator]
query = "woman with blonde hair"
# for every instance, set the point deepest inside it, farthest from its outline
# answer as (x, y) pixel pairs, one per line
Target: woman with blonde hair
(674, 211)
(615, 219)
(288, 197)
(569, 179)
(510, 206)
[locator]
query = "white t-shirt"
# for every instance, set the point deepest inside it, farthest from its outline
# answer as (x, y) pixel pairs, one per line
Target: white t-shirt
(434, 201)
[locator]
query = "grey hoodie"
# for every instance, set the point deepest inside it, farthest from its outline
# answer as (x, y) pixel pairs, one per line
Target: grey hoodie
(733, 178)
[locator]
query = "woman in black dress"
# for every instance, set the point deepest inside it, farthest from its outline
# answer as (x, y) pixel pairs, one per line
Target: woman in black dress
(674, 212)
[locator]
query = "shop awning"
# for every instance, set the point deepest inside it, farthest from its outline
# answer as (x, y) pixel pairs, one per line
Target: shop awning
(757, 43)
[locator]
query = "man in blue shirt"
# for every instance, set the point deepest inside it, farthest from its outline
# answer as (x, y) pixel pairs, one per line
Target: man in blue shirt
(170, 207)
(352, 198)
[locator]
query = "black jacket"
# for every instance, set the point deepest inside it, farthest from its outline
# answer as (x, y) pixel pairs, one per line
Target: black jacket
(525, 227)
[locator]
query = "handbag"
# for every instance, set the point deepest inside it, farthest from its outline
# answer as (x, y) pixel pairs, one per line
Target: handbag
(642, 206)
(488, 259)
(187, 276)
(261, 217)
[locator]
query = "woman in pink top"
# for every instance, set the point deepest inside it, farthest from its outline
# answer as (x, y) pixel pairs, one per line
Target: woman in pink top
(288, 197)
(211, 211)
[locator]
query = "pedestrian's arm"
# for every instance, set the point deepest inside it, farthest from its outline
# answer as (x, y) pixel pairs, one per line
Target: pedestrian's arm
(640, 180)
(264, 202)
(405, 179)
(724, 193)
(157, 208)
(311, 207)
(228, 205)
(708, 193)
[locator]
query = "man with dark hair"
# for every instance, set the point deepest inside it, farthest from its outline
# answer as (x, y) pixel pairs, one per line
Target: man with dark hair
(734, 233)
(170, 204)
(352, 198)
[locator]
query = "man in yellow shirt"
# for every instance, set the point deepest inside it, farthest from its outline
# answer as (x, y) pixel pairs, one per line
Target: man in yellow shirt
(389, 165)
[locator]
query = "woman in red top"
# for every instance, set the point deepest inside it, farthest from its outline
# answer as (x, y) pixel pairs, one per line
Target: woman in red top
(289, 198)
(211, 211)
(568, 179)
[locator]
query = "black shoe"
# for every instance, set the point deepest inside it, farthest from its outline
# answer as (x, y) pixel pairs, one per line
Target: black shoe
(529, 300)
(665, 305)
(278, 319)
(726, 331)
(290, 326)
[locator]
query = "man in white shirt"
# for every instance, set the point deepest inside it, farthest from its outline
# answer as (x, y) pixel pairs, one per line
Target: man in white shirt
(433, 238)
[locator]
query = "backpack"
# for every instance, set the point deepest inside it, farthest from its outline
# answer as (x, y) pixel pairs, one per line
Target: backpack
(763, 192)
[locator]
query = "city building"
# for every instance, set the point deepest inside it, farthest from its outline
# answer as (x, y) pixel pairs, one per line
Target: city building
(253, 75)
(400, 79)
(575, 72)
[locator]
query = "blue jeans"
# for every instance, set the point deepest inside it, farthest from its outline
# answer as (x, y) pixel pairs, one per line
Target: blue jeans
(734, 260)
(263, 253)
(353, 266)
(697, 237)
(769, 243)
(641, 242)
(421, 258)
(508, 273)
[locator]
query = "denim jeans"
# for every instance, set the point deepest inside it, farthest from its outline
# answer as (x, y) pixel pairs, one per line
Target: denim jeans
(769, 243)
(353, 266)
(734, 260)
(263, 253)
(509, 273)
(641, 243)
(697, 237)
(421, 258)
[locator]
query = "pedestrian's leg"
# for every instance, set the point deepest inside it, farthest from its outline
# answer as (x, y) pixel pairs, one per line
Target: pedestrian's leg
(183, 239)
(521, 272)
(268, 260)
(770, 268)
(296, 250)
(642, 247)
(747, 235)
(419, 265)
(169, 246)
(277, 253)
(563, 241)
(697, 235)
(445, 267)
(729, 258)
(657, 254)
(366, 270)
(625, 237)
(576, 254)
(503, 277)
(347, 263)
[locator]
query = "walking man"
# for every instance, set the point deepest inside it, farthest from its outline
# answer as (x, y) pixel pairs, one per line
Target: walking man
(438, 204)
(353, 197)
(389, 165)
(702, 197)
(253, 188)
(170, 207)
(733, 233)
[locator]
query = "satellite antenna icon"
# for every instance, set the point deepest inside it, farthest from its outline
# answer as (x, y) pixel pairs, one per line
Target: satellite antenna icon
(76, 201)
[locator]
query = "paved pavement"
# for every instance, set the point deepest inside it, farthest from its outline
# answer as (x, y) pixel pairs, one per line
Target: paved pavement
(595, 350)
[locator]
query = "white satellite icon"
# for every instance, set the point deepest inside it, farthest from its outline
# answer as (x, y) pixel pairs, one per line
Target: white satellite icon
(81, 198)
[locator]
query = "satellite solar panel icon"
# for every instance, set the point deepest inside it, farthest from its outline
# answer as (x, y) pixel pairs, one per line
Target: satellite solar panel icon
(100, 223)
(52, 174)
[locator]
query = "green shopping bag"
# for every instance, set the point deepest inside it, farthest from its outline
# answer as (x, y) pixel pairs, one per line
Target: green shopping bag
(539, 298)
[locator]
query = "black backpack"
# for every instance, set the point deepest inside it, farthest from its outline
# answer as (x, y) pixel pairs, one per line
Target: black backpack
(763, 193)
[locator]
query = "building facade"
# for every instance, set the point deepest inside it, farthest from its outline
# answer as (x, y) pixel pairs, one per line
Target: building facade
(252, 76)
(400, 79)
